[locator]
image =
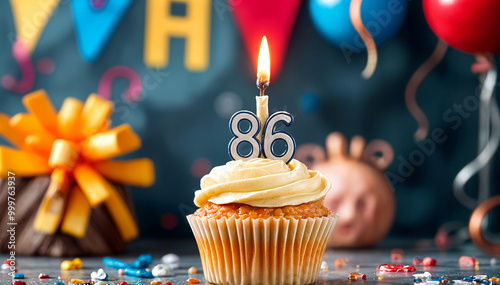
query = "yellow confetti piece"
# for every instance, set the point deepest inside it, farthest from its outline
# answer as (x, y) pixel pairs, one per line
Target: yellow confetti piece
(22, 163)
(39, 105)
(66, 265)
(77, 214)
(77, 263)
(95, 187)
(138, 172)
(115, 142)
(95, 113)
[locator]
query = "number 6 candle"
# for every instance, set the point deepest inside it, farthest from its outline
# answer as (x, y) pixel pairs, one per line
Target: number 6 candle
(262, 134)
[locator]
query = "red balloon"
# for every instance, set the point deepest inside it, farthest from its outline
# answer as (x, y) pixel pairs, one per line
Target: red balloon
(472, 26)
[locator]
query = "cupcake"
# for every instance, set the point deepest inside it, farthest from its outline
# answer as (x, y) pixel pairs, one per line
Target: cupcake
(262, 221)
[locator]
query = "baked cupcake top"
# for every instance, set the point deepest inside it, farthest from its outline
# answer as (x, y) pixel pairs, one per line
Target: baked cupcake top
(262, 182)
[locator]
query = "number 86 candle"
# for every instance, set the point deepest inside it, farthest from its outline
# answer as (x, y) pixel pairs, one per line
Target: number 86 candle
(262, 133)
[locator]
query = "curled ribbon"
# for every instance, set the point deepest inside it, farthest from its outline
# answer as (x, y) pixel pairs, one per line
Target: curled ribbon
(21, 54)
(412, 86)
(371, 47)
(74, 146)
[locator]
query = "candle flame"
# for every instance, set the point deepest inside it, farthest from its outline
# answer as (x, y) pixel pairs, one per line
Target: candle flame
(264, 63)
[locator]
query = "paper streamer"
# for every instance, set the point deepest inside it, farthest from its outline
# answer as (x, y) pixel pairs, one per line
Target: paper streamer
(412, 86)
(95, 23)
(22, 56)
(134, 90)
(371, 48)
(31, 17)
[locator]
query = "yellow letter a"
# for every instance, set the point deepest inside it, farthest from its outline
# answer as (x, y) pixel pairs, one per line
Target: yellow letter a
(161, 25)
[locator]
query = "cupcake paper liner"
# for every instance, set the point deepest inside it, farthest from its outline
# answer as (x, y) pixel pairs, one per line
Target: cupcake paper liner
(262, 251)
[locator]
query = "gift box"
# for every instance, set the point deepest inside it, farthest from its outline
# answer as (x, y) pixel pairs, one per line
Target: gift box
(64, 194)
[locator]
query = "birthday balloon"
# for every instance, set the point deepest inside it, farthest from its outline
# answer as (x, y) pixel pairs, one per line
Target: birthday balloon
(382, 18)
(471, 26)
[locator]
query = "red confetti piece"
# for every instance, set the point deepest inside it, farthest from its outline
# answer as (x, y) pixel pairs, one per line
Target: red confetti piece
(340, 262)
(43, 276)
(123, 283)
(168, 283)
(467, 261)
(395, 268)
(397, 255)
(418, 261)
(429, 261)
(356, 276)
(18, 282)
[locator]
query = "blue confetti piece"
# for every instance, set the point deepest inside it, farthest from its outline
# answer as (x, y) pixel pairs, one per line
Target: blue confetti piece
(59, 283)
(115, 263)
(18, 276)
(138, 272)
(143, 261)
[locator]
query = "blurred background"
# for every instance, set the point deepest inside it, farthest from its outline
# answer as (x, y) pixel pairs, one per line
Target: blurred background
(183, 111)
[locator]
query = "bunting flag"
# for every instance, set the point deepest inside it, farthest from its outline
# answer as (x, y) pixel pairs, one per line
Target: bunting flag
(273, 19)
(95, 22)
(30, 17)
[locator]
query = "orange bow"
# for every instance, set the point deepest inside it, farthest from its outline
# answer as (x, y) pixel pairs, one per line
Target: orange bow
(74, 144)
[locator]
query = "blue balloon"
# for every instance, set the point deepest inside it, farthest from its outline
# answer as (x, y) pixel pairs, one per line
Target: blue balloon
(382, 18)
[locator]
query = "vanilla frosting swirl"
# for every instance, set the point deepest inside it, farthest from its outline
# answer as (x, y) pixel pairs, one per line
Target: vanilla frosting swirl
(262, 182)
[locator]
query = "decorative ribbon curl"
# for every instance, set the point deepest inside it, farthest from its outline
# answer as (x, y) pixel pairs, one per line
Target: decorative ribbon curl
(489, 113)
(74, 146)
(371, 47)
(412, 86)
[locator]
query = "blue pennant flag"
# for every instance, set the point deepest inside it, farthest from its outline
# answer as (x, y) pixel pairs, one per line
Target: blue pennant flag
(95, 22)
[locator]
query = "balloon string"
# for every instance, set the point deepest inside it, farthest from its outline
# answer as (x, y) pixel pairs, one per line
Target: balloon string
(489, 150)
(371, 48)
(412, 86)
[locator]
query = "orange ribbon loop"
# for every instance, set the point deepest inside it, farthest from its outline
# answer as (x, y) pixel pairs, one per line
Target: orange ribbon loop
(74, 144)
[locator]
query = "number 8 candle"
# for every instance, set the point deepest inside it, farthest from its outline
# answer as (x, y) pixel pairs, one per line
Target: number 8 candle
(261, 135)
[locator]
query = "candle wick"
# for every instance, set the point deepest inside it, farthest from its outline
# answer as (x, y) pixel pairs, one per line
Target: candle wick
(262, 84)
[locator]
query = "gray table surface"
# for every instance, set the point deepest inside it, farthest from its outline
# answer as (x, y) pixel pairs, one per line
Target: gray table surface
(362, 260)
